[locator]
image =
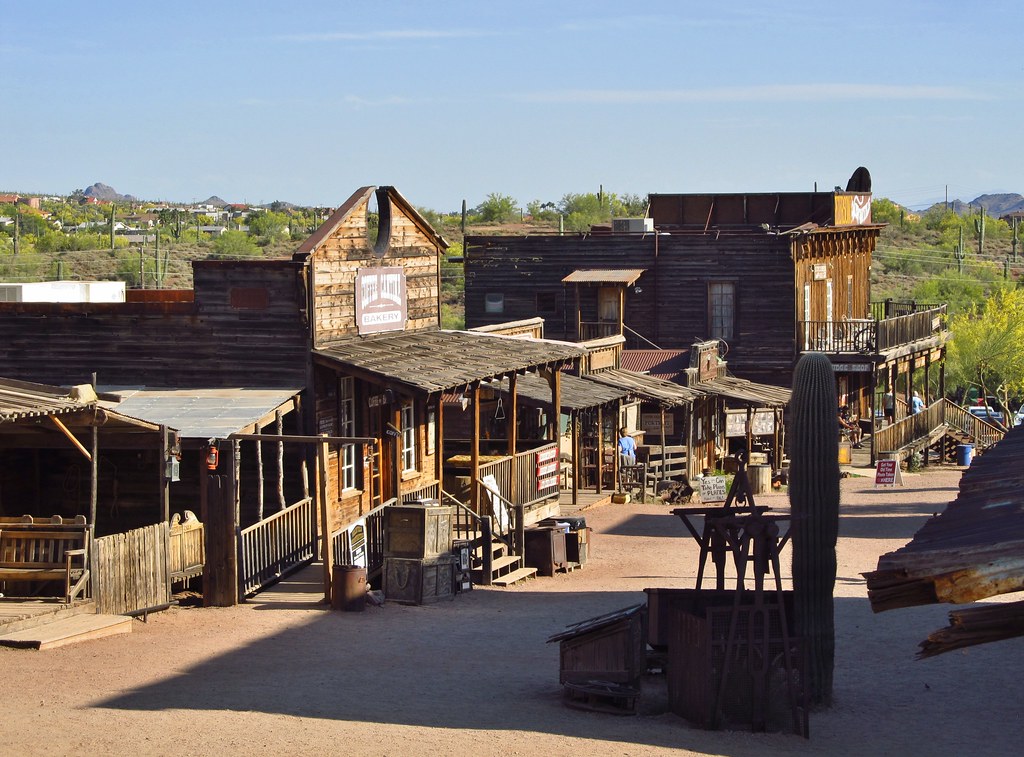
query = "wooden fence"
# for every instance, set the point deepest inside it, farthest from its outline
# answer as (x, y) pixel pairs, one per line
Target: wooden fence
(130, 571)
(186, 547)
(276, 546)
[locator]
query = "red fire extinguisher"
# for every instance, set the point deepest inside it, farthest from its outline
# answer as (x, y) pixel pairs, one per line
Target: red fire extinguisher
(212, 457)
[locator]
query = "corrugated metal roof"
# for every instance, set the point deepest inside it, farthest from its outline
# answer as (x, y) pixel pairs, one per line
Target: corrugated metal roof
(973, 549)
(201, 413)
(576, 393)
(663, 364)
(647, 387)
(22, 399)
(612, 276)
(747, 392)
(435, 360)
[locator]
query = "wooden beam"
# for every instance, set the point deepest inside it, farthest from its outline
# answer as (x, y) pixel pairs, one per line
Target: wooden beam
(327, 554)
(474, 453)
(67, 432)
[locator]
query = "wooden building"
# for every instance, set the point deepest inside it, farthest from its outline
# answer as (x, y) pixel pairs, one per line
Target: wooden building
(768, 275)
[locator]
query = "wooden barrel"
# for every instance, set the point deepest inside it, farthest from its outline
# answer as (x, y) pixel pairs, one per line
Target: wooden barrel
(760, 477)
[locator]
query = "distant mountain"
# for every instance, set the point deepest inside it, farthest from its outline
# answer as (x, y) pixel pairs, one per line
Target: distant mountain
(100, 191)
(995, 205)
(215, 201)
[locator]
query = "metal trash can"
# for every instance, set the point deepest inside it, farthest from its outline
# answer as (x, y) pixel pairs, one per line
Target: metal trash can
(348, 588)
(964, 454)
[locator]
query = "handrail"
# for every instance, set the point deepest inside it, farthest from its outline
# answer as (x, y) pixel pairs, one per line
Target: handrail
(341, 548)
(464, 516)
(276, 546)
(640, 336)
(911, 430)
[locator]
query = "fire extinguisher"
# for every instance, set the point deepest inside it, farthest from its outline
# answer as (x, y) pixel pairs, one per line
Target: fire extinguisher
(212, 457)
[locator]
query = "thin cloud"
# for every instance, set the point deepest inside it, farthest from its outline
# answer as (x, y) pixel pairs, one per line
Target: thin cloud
(383, 35)
(768, 93)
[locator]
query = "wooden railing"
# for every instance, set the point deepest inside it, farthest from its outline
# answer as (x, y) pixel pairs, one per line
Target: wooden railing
(186, 552)
(598, 330)
(477, 529)
(869, 335)
(276, 546)
(130, 571)
(882, 309)
(902, 436)
(522, 466)
(373, 544)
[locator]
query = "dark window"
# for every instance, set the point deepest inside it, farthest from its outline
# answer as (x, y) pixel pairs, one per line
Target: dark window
(721, 309)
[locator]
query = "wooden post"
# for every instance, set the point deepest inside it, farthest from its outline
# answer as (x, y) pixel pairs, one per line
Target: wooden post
(279, 425)
(474, 452)
(259, 479)
(165, 480)
(750, 432)
(325, 518)
(439, 440)
(234, 533)
(513, 495)
(664, 461)
(574, 419)
(600, 449)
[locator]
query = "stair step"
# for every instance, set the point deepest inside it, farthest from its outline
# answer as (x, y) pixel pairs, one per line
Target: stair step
(16, 614)
(515, 577)
(57, 633)
(504, 561)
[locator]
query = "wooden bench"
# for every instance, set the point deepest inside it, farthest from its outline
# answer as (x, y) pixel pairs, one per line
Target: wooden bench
(53, 549)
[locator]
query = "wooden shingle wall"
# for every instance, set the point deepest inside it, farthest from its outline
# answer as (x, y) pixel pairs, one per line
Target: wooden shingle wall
(339, 257)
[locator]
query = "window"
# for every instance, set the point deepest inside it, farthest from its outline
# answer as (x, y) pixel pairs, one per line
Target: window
(721, 309)
(347, 427)
(408, 438)
(494, 302)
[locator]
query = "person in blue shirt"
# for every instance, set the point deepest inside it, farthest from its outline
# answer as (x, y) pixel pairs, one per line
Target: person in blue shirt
(627, 448)
(916, 404)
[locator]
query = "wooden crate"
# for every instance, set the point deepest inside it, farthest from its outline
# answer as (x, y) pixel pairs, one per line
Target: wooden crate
(417, 531)
(577, 546)
(419, 581)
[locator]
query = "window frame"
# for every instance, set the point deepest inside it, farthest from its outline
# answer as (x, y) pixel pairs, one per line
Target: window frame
(348, 470)
(715, 309)
(407, 415)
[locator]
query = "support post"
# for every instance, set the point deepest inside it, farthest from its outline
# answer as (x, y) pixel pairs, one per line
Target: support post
(325, 518)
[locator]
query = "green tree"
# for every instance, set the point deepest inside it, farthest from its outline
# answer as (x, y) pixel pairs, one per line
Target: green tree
(268, 224)
(987, 348)
(960, 291)
(234, 244)
(498, 208)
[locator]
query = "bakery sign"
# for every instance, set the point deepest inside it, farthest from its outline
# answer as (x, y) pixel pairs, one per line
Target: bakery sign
(381, 303)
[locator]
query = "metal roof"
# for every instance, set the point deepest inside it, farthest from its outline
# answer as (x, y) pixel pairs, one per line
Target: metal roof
(747, 392)
(22, 399)
(577, 393)
(434, 360)
(647, 387)
(612, 276)
(663, 364)
(201, 413)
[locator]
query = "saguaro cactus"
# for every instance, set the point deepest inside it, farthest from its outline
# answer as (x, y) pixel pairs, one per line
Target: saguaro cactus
(814, 498)
(960, 253)
(979, 230)
(1015, 239)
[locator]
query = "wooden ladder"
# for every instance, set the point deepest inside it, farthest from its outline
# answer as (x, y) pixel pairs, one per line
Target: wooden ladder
(376, 479)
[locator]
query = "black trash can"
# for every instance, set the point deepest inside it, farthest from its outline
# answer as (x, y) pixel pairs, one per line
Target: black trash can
(348, 588)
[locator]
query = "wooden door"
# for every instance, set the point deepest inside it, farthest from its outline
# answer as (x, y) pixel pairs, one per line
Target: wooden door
(385, 460)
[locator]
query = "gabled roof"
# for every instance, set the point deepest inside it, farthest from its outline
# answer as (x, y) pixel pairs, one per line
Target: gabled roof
(360, 196)
(433, 360)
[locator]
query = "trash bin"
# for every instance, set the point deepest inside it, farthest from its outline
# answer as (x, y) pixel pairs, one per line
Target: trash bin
(964, 454)
(845, 453)
(348, 588)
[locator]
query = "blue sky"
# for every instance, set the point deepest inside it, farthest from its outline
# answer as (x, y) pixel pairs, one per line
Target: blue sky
(306, 101)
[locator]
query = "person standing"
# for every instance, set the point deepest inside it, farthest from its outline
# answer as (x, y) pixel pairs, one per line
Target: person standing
(889, 407)
(627, 448)
(916, 403)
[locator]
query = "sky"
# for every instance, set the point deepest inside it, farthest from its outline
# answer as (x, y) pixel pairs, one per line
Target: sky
(450, 101)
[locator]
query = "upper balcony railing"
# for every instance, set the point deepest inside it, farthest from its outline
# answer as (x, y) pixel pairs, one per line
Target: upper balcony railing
(901, 323)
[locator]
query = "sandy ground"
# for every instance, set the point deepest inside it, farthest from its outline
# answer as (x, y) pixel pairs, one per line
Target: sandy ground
(475, 676)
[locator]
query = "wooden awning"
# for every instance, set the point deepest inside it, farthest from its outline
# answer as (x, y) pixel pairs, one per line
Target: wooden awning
(647, 387)
(623, 277)
(746, 392)
(576, 393)
(430, 361)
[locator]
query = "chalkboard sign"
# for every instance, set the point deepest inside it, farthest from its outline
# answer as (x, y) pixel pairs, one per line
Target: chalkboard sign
(712, 489)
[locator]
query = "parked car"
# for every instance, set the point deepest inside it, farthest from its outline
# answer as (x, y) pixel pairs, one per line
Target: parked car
(1019, 417)
(988, 413)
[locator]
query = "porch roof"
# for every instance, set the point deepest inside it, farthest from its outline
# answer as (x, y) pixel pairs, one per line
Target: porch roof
(22, 399)
(647, 387)
(625, 276)
(435, 360)
(747, 392)
(213, 413)
(577, 393)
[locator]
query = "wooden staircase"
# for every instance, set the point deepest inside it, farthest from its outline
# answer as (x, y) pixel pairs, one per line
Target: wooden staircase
(506, 568)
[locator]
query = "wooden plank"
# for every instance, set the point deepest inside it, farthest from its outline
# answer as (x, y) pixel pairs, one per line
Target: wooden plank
(65, 631)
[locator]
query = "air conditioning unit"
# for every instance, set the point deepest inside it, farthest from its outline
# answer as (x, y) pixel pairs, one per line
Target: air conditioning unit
(632, 225)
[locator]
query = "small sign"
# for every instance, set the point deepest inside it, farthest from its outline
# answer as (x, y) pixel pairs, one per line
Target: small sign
(381, 303)
(887, 473)
(547, 455)
(819, 271)
(762, 421)
(651, 425)
(712, 489)
(551, 482)
(547, 469)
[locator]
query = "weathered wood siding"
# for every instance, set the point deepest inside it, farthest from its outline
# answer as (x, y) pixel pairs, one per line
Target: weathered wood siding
(846, 257)
(340, 256)
(671, 310)
(131, 571)
(244, 328)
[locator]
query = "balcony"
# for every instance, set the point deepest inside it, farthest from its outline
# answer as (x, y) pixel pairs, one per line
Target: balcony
(895, 324)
